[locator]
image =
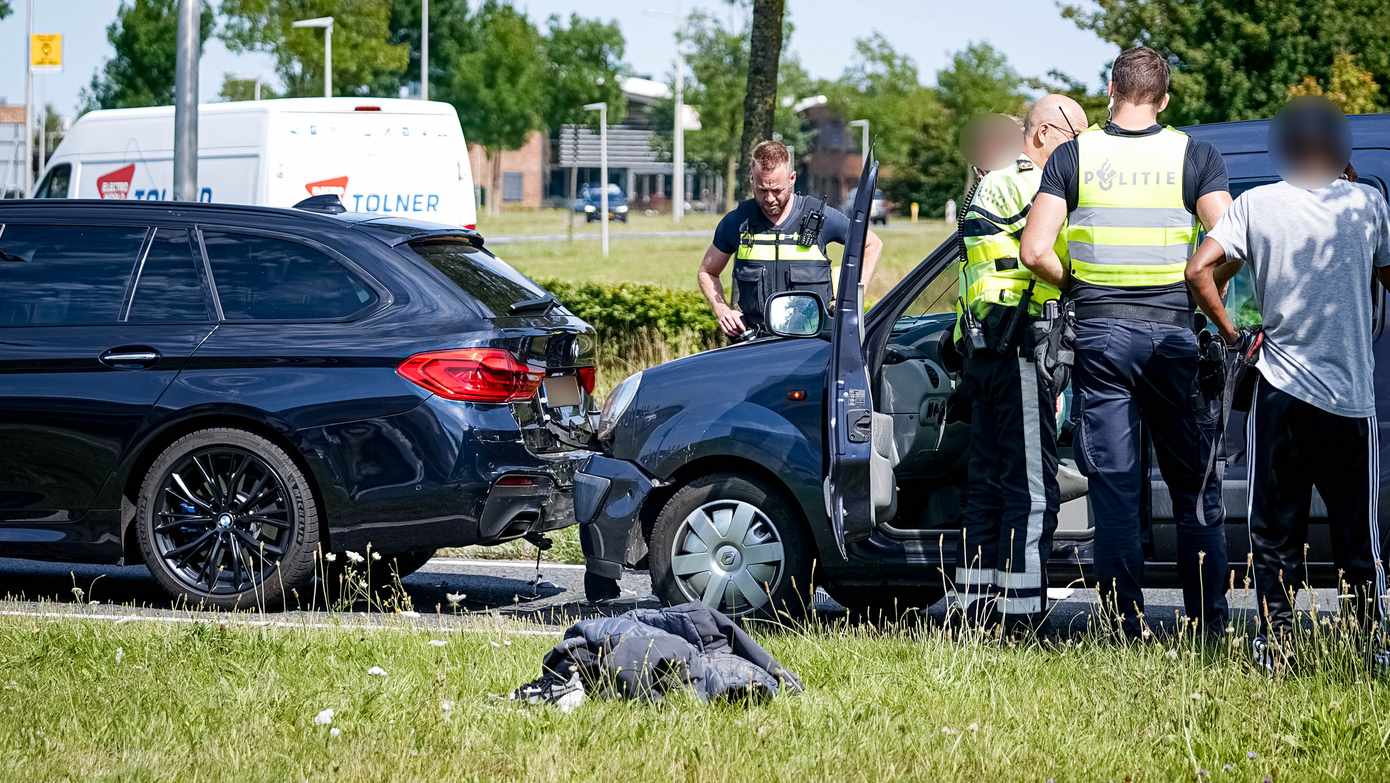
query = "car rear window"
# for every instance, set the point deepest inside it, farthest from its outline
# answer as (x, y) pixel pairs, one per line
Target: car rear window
(62, 275)
(262, 278)
(489, 280)
(169, 288)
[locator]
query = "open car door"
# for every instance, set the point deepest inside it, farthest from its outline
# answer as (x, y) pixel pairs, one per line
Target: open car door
(857, 489)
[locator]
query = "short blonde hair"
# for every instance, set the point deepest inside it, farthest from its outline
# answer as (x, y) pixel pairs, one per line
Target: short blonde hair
(770, 154)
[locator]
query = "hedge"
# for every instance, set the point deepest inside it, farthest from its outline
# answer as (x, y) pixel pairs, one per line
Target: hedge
(616, 310)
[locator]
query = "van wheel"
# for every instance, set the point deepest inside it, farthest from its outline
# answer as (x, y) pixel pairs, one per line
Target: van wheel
(733, 544)
(226, 519)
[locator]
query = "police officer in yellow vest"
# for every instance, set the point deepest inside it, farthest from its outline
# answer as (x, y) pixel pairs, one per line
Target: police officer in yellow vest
(777, 240)
(1131, 194)
(1011, 495)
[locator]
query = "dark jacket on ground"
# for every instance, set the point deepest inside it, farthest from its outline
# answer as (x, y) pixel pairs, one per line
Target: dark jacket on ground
(643, 653)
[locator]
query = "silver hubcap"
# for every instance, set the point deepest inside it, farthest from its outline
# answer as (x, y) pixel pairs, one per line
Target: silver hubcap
(727, 555)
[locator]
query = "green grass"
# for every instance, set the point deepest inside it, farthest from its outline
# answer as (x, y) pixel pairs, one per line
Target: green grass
(519, 222)
(564, 549)
(89, 701)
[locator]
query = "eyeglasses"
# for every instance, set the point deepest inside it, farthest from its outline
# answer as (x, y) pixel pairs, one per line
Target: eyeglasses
(1070, 127)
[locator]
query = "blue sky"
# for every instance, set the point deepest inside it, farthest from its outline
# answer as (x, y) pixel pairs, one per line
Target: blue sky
(1031, 32)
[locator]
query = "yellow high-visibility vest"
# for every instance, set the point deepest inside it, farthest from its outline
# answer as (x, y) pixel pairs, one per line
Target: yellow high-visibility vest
(990, 274)
(1130, 227)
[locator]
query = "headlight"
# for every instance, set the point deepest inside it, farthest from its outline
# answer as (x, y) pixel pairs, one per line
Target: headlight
(622, 208)
(588, 207)
(617, 404)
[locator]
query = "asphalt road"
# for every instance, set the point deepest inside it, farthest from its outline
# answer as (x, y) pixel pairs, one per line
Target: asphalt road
(489, 589)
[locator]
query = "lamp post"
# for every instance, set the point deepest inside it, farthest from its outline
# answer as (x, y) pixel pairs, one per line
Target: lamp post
(864, 135)
(326, 23)
(602, 109)
(28, 179)
(424, 50)
(187, 44)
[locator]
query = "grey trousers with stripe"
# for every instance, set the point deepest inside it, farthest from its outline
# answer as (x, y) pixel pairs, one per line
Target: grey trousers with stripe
(1293, 447)
(1011, 494)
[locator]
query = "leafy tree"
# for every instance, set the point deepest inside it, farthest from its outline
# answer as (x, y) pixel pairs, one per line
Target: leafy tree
(235, 88)
(361, 41)
(760, 95)
(1237, 60)
(141, 73)
(1352, 88)
(978, 81)
(451, 31)
(584, 64)
(4, 8)
(1096, 103)
(499, 86)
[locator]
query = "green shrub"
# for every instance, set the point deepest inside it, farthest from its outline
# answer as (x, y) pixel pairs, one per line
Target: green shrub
(616, 310)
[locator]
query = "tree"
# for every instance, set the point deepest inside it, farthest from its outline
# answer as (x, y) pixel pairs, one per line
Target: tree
(235, 88)
(141, 73)
(1236, 61)
(1352, 88)
(4, 8)
(451, 31)
(978, 81)
(500, 85)
(584, 64)
(361, 39)
(760, 95)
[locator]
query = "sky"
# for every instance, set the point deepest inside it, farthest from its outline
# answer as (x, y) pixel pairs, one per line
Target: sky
(1031, 32)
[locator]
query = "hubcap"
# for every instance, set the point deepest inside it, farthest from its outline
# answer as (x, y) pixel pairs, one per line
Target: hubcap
(222, 520)
(728, 556)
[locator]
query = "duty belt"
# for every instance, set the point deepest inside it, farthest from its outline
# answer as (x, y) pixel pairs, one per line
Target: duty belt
(1159, 315)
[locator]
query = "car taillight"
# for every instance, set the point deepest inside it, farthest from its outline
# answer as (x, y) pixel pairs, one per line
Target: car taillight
(473, 375)
(587, 377)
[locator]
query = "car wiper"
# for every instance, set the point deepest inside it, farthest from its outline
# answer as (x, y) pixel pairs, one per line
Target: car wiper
(541, 304)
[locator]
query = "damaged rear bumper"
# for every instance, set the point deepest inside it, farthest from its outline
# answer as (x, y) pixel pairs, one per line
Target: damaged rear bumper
(608, 498)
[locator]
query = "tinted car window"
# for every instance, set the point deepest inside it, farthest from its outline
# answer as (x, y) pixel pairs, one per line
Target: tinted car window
(58, 275)
(168, 287)
(263, 278)
(489, 280)
(55, 185)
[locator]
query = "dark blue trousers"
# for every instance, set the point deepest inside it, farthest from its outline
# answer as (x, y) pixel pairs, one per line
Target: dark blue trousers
(1131, 373)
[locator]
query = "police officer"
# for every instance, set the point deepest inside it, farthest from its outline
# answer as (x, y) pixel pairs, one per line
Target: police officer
(1132, 193)
(1011, 497)
(777, 240)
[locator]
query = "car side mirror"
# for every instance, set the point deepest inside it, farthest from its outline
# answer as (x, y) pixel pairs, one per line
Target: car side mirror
(794, 314)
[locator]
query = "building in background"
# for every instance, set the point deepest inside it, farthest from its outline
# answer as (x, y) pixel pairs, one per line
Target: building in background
(831, 164)
(524, 172)
(11, 151)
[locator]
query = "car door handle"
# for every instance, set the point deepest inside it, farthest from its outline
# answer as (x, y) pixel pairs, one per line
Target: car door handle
(130, 357)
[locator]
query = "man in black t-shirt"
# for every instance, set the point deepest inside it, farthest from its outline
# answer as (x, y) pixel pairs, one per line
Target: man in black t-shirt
(762, 234)
(1134, 195)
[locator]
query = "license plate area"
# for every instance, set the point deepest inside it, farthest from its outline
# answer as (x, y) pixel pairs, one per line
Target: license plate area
(561, 391)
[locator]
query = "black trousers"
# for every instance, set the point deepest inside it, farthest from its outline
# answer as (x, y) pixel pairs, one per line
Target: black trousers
(1011, 495)
(1293, 447)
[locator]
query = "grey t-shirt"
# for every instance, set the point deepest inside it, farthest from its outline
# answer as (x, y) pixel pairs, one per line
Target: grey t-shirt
(1311, 253)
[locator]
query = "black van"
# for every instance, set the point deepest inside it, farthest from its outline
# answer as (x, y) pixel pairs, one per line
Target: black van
(741, 476)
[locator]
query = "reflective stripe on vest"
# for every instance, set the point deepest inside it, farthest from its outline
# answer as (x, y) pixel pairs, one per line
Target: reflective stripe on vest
(1130, 227)
(774, 246)
(991, 273)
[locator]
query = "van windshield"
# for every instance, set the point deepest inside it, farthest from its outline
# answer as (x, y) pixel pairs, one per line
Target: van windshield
(489, 280)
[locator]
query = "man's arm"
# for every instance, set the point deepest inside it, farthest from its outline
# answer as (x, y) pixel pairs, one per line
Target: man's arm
(711, 267)
(873, 248)
(1037, 247)
(1211, 207)
(1202, 276)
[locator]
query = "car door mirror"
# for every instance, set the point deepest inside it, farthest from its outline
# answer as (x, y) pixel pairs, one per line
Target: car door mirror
(794, 314)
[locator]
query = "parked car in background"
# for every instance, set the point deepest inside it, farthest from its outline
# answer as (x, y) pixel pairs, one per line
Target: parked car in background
(878, 211)
(591, 203)
(825, 456)
(278, 152)
(221, 391)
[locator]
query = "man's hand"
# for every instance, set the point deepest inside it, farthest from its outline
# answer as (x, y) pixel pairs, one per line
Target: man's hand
(1038, 246)
(730, 320)
(1201, 275)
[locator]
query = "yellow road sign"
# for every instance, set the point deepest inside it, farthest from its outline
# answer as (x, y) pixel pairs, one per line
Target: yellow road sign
(46, 52)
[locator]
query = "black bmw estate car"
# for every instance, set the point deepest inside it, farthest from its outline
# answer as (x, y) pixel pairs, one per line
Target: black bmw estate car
(221, 392)
(824, 454)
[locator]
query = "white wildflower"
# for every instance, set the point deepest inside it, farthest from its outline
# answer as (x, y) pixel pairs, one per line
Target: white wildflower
(330, 557)
(506, 642)
(973, 727)
(353, 557)
(437, 642)
(120, 655)
(950, 732)
(1172, 655)
(334, 731)
(324, 717)
(376, 671)
(1252, 755)
(455, 598)
(494, 643)
(376, 555)
(447, 706)
(411, 613)
(1227, 767)
(1196, 696)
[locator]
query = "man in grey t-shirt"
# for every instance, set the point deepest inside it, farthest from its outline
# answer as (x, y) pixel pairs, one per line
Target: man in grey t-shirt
(1312, 241)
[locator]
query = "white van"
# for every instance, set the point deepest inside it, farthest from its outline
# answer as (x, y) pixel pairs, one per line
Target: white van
(383, 155)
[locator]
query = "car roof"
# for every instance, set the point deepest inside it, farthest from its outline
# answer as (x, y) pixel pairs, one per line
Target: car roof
(390, 230)
(1367, 130)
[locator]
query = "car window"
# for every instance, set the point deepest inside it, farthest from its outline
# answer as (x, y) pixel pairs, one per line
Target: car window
(938, 297)
(261, 278)
(168, 287)
(55, 185)
(62, 275)
(487, 279)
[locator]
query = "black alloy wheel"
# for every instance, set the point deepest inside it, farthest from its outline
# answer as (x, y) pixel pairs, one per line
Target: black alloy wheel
(220, 512)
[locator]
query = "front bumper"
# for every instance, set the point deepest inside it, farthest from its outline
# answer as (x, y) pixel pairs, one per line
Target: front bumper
(608, 498)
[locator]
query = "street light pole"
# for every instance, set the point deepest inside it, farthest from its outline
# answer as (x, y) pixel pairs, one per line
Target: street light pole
(678, 173)
(186, 101)
(326, 23)
(29, 99)
(602, 109)
(863, 137)
(424, 50)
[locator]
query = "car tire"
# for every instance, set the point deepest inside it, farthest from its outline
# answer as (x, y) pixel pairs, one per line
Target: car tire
(760, 569)
(247, 536)
(889, 604)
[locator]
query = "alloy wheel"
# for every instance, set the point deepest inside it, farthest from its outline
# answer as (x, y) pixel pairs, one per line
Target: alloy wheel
(222, 520)
(727, 555)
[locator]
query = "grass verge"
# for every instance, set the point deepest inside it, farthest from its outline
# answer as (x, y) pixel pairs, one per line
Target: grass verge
(83, 700)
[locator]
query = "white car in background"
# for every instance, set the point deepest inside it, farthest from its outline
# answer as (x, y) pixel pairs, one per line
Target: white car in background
(380, 155)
